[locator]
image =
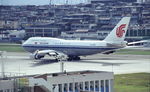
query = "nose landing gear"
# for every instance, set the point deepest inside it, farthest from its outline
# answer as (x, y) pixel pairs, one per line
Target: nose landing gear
(73, 58)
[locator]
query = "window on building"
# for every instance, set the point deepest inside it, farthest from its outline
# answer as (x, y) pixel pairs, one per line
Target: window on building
(12, 90)
(38, 30)
(54, 86)
(81, 86)
(86, 85)
(60, 87)
(47, 30)
(8, 90)
(131, 33)
(102, 85)
(91, 85)
(135, 33)
(38, 34)
(143, 32)
(70, 87)
(65, 87)
(107, 85)
(100, 34)
(148, 32)
(76, 87)
(105, 34)
(140, 32)
(96, 85)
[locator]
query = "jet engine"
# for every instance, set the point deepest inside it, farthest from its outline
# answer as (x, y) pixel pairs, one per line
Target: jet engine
(109, 52)
(36, 55)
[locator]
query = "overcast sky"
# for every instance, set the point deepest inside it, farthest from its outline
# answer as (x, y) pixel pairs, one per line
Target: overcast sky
(38, 2)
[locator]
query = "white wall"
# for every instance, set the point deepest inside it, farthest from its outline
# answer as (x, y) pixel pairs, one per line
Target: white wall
(78, 78)
(7, 85)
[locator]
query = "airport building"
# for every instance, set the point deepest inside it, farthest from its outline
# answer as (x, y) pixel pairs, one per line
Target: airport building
(6, 86)
(49, 30)
(79, 81)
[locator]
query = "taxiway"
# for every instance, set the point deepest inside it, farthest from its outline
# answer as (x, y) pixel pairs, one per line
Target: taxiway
(19, 63)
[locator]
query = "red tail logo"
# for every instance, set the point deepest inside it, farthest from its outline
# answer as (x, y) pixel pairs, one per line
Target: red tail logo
(120, 31)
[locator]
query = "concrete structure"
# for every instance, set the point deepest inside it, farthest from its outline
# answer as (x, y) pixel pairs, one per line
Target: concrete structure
(138, 33)
(143, 1)
(91, 81)
(6, 86)
(102, 1)
(85, 34)
(95, 16)
(43, 30)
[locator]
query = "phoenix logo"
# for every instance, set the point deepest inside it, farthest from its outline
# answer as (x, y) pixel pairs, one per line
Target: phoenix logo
(120, 31)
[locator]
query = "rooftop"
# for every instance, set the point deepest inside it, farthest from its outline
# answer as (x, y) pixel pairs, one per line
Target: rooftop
(61, 74)
(76, 73)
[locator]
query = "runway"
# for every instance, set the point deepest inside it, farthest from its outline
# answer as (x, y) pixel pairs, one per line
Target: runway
(20, 64)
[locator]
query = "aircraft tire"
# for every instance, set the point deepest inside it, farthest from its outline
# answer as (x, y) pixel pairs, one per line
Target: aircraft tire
(71, 58)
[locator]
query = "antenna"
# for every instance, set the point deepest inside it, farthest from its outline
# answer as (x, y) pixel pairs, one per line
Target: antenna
(4, 2)
(66, 2)
(50, 2)
(61, 66)
(88, 1)
(2, 53)
(1, 2)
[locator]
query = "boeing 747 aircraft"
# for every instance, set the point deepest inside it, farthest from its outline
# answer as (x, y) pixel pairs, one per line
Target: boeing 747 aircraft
(41, 46)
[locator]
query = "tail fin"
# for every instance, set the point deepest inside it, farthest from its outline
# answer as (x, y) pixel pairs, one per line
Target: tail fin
(117, 35)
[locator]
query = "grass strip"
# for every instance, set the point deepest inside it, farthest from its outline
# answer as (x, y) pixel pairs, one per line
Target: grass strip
(11, 48)
(136, 82)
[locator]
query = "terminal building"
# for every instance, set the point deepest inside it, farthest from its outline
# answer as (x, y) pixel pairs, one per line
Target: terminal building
(7, 86)
(79, 81)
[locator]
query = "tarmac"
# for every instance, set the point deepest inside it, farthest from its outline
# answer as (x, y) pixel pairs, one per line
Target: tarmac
(19, 63)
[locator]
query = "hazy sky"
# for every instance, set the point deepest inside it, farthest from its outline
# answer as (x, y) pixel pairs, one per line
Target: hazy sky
(37, 2)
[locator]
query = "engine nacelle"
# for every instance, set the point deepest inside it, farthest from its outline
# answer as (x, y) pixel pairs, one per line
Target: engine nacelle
(36, 56)
(51, 53)
(109, 52)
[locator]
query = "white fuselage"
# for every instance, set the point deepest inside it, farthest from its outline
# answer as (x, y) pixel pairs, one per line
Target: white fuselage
(113, 41)
(68, 47)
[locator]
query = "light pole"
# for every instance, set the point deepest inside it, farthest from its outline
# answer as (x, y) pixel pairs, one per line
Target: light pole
(61, 58)
(112, 67)
(2, 63)
(61, 66)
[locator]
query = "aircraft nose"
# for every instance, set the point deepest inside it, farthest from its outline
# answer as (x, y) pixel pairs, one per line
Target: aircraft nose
(23, 44)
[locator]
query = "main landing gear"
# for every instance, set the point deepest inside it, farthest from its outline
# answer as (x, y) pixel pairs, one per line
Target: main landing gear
(73, 58)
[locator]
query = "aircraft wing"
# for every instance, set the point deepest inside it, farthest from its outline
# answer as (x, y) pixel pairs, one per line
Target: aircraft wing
(137, 42)
(38, 54)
